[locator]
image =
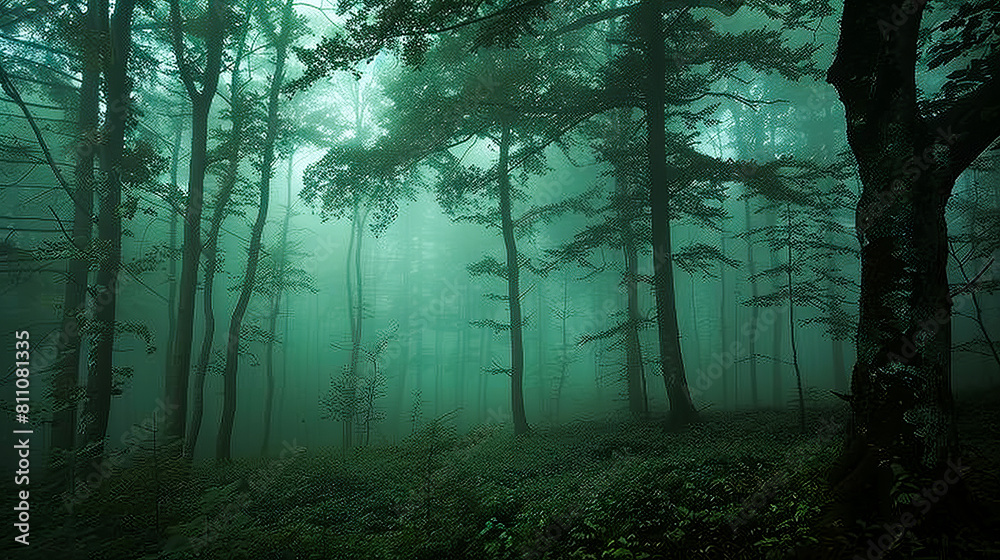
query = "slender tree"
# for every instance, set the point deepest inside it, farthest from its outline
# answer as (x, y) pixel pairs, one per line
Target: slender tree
(281, 38)
(232, 152)
(109, 228)
(216, 23)
(67, 377)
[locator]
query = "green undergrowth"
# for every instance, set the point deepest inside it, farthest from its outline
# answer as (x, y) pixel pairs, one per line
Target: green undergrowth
(735, 485)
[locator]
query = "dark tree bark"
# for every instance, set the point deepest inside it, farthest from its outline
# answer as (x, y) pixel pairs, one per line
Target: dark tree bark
(230, 175)
(67, 377)
(172, 244)
(201, 105)
(224, 442)
(109, 226)
(513, 285)
(791, 322)
(682, 409)
(901, 401)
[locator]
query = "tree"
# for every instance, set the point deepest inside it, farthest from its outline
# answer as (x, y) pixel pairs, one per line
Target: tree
(67, 377)
(358, 179)
(762, 50)
(802, 234)
(520, 103)
(109, 228)
(909, 152)
(212, 28)
(281, 38)
(230, 153)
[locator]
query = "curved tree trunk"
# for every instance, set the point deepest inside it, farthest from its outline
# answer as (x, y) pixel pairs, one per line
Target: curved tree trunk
(224, 441)
(513, 286)
(901, 402)
(229, 178)
(176, 383)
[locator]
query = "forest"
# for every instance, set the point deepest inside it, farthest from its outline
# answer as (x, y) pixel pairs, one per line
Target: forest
(500, 279)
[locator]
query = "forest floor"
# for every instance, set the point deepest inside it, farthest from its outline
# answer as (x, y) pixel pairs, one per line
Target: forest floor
(735, 485)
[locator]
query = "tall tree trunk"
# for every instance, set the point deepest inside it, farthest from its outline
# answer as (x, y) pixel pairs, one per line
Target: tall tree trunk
(901, 402)
(67, 377)
(224, 441)
(635, 376)
(272, 329)
(543, 396)
(176, 383)
(513, 285)
(439, 362)
(355, 312)
(754, 312)
(723, 323)
(285, 326)
(564, 361)
(172, 246)
(211, 248)
(109, 227)
(777, 337)
(791, 321)
(682, 409)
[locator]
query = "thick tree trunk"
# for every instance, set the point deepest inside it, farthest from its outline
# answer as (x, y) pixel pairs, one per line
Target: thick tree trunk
(682, 409)
(224, 442)
(901, 402)
(513, 286)
(109, 227)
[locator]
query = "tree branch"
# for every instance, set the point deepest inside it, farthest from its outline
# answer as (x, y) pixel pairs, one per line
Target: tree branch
(11, 91)
(177, 40)
(970, 125)
(726, 7)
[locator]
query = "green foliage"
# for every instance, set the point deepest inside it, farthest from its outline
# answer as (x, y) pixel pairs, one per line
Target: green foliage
(586, 491)
(703, 258)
